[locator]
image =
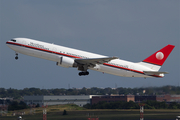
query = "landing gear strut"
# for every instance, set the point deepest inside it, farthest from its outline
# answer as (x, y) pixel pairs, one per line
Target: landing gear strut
(16, 56)
(83, 73)
(83, 68)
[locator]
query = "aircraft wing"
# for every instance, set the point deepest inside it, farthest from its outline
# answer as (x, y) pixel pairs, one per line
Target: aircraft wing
(154, 72)
(93, 61)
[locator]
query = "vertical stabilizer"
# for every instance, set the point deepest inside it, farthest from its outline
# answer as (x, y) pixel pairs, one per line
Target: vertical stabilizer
(156, 60)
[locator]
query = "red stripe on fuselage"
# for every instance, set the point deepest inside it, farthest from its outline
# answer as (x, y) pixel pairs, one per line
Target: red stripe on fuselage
(49, 51)
(123, 68)
(132, 70)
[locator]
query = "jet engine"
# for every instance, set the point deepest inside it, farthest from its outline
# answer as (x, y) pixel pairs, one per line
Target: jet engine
(66, 62)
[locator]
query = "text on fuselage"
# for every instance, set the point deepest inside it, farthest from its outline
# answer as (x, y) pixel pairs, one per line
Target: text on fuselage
(37, 45)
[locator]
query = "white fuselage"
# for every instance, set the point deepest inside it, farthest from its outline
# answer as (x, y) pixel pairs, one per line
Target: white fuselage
(52, 52)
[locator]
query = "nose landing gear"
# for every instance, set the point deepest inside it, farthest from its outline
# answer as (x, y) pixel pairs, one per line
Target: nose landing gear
(83, 73)
(16, 56)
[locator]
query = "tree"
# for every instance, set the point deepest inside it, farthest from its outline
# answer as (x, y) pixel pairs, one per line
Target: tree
(174, 105)
(37, 105)
(64, 112)
(14, 105)
(87, 106)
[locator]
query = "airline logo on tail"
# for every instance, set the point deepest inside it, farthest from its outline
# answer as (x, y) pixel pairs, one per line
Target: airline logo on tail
(159, 57)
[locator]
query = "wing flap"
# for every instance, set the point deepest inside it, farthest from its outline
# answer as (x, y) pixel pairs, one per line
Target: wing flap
(94, 61)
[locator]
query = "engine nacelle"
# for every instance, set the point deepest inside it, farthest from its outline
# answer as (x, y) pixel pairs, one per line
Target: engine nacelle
(66, 62)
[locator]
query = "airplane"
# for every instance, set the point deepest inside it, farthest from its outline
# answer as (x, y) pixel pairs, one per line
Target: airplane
(82, 60)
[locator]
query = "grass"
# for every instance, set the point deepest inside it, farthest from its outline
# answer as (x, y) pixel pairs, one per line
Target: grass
(78, 113)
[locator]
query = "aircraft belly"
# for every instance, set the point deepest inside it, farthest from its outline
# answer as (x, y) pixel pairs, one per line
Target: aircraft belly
(113, 71)
(120, 72)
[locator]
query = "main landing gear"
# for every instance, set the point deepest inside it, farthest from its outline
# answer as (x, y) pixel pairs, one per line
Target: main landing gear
(16, 56)
(83, 73)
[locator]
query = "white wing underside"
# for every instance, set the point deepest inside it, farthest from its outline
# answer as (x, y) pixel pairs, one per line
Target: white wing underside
(93, 61)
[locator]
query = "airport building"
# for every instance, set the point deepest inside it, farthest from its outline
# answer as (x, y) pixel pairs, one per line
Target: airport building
(168, 98)
(159, 98)
(5, 100)
(139, 98)
(112, 98)
(79, 100)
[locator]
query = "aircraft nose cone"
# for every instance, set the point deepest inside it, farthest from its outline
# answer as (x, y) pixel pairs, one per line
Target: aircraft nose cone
(7, 42)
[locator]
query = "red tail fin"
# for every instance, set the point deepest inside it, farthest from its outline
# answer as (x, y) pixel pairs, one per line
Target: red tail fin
(159, 57)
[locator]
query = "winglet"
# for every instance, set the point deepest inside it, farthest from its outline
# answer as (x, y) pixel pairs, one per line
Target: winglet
(159, 57)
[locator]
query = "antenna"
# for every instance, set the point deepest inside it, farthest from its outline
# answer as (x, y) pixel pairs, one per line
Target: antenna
(69, 86)
(44, 112)
(115, 86)
(141, 105)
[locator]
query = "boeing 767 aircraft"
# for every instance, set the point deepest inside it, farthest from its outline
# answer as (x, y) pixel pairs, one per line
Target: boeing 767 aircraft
(82, 60)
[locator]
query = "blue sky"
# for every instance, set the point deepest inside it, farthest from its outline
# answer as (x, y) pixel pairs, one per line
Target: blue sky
(131, 30)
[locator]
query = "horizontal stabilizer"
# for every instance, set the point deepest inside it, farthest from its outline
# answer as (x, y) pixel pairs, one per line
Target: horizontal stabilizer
(154, 72)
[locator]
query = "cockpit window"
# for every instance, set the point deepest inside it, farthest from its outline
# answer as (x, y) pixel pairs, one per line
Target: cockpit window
(13, 40)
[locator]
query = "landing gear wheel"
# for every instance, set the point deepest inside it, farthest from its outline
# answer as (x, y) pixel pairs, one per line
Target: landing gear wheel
(83, 73)
(80, 74)
(87, 73)
(16, 56)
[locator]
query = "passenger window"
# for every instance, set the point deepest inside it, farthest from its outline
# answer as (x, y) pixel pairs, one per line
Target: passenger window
(13, 40)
